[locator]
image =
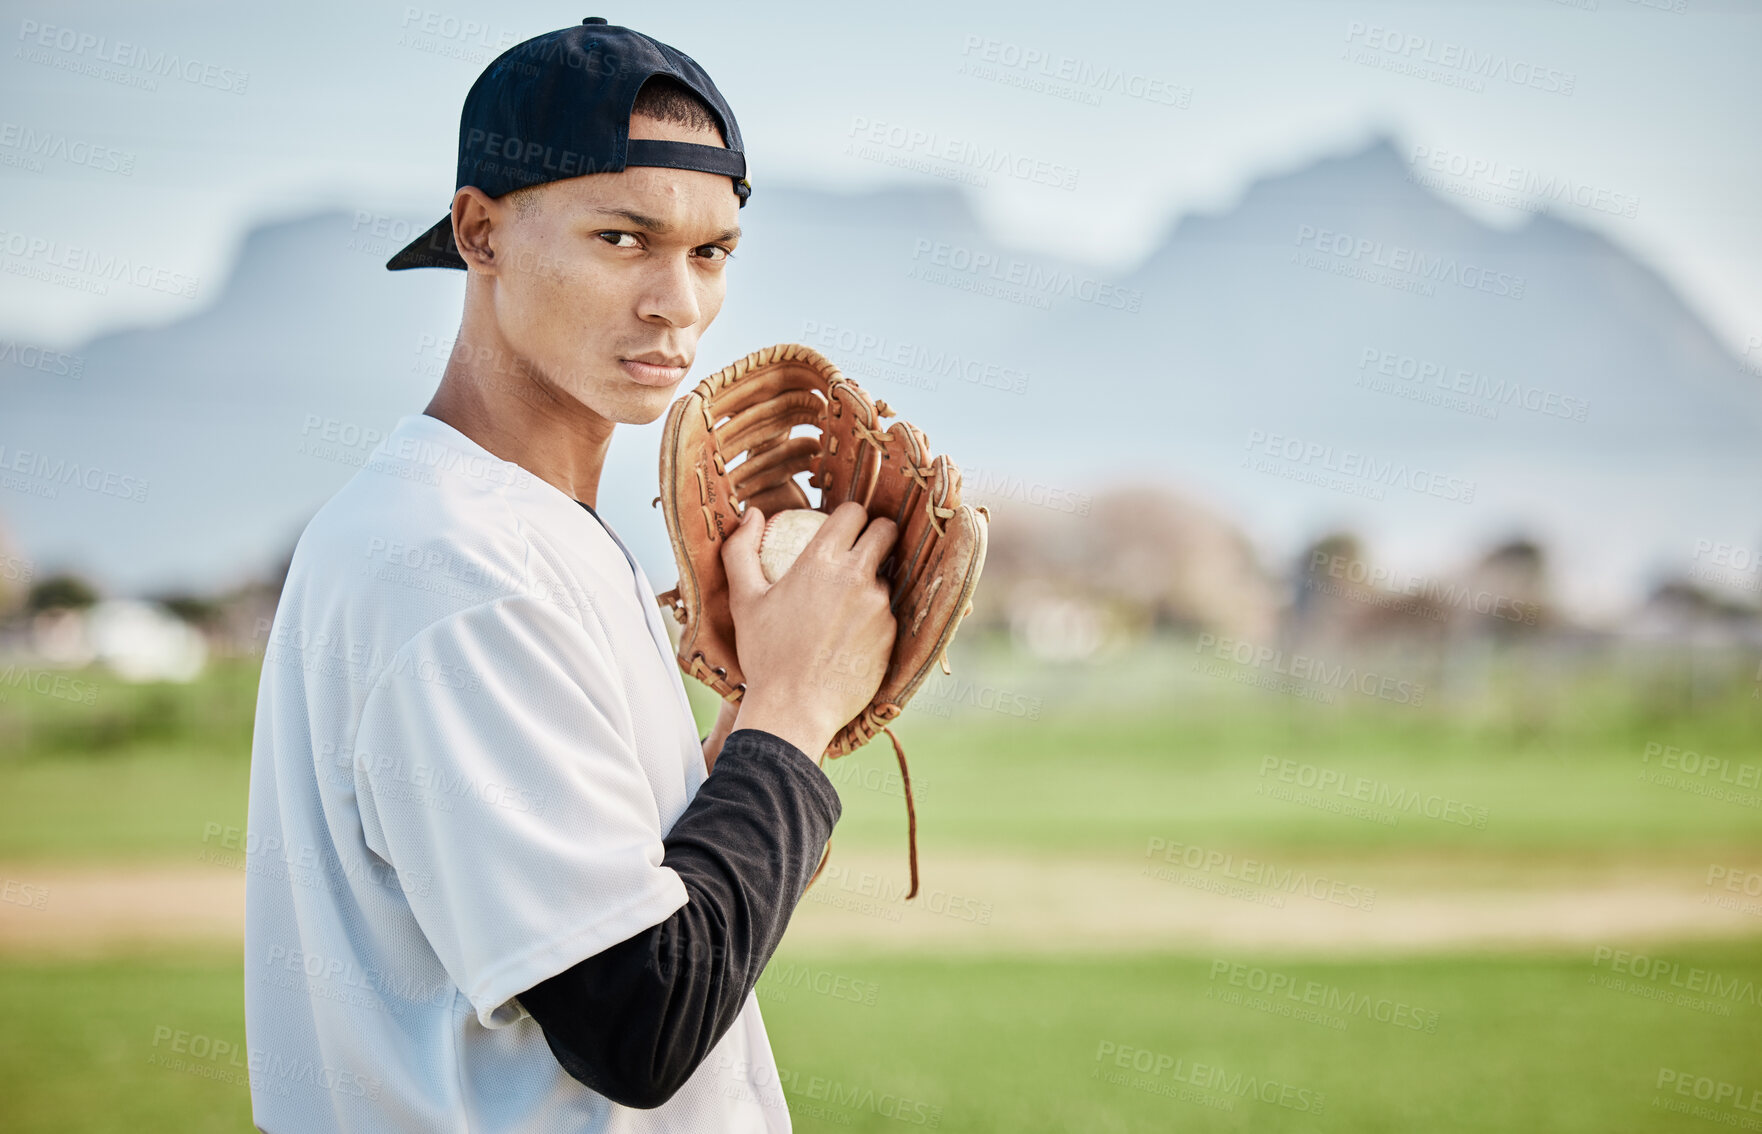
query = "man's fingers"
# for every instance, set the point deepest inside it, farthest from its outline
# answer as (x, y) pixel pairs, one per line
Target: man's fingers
(740, 554)
(876, 541)
(840, 529)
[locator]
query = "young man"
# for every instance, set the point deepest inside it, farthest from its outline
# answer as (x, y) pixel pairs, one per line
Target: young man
(495, 880)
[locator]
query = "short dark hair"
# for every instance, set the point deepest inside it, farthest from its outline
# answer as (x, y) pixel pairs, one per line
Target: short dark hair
(669, 100)
(662, 98)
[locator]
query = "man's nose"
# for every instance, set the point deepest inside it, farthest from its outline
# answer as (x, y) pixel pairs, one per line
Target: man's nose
(671, 295)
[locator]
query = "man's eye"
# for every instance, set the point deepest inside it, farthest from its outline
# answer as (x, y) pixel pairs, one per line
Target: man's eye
(614, 238)
(714, 252)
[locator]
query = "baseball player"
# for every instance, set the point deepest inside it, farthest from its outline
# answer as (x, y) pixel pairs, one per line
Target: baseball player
(496, 881)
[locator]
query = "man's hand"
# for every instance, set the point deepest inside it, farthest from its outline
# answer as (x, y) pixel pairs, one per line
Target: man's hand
(813, 645)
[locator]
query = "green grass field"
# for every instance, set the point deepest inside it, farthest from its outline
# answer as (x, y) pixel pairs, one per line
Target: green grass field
(1122, 752)
(82, 782)
(1006, 1045)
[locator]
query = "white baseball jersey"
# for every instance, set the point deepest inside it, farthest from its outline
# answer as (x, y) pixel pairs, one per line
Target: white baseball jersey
(471, 737)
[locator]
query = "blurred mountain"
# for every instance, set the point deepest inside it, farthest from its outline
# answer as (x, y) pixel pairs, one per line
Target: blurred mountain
(1338, 311)
(1541, 377)
(210, 440)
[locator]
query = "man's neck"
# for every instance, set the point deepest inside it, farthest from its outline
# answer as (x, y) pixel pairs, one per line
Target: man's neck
(518, 419)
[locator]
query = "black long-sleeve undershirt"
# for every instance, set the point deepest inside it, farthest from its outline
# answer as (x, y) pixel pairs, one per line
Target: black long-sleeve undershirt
(635, 1020)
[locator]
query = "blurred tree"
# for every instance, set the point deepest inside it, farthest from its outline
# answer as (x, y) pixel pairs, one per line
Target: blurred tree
(1522, 557)
(1689, 602)
(1330, 568)
(15, 573)
(199, 611)
(1515, 574)
(1343, 546)
(61, 592)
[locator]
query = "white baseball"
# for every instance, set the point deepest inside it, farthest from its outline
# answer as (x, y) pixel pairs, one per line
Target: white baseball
(785, 534)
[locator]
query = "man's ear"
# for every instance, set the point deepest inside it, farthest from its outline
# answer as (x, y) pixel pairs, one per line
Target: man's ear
(475, 216)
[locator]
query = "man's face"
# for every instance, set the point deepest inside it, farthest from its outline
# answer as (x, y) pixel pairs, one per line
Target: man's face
(604, 288)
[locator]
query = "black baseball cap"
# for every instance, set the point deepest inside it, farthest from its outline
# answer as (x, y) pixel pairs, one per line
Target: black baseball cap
(558, 106)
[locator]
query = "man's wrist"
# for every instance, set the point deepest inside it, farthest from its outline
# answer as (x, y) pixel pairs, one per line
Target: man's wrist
(785, 720)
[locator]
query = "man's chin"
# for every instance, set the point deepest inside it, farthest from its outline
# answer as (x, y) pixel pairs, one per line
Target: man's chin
(647, 405)
(649, 416)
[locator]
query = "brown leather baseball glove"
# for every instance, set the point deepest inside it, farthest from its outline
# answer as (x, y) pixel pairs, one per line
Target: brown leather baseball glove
(748, 409)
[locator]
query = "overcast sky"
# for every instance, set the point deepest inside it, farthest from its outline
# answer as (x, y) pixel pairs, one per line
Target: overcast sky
(1651, 111)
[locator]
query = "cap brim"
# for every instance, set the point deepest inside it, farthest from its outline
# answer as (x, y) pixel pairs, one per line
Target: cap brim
(433, 249)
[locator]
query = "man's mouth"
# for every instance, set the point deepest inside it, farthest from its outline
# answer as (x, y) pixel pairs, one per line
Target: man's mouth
(655, 368)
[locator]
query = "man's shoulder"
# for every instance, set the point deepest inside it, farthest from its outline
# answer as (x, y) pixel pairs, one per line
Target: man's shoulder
(430, 529)
(395, 539)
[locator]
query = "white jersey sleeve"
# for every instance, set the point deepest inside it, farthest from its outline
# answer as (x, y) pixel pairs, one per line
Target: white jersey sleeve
(493, 758)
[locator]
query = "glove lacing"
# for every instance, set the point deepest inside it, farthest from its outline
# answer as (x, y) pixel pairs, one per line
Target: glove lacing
(911, 815)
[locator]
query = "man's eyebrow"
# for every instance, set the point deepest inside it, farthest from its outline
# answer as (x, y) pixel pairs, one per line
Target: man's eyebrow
(661, 227)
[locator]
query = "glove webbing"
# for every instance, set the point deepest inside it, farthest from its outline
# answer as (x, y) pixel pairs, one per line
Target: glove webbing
(911, 818)
(918, 473)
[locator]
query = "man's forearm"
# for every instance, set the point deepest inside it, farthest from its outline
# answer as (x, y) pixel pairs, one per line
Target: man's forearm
(712, 744)
(635, 1020)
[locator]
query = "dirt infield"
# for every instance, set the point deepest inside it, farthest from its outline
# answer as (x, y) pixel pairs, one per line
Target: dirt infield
(86, 910)
(975, 904)
(1063, 906)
